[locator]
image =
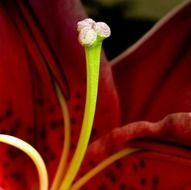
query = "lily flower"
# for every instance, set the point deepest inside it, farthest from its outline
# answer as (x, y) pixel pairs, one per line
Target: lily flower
(127, 126)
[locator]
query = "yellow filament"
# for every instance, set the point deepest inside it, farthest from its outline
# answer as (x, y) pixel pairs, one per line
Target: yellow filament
(33, 154)
(93, 62)
(67, 137)
(102, 165)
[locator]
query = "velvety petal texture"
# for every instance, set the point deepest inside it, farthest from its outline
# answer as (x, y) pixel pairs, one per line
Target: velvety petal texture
(162, 163)
(28, 103)
(153, 76)
(39, 47)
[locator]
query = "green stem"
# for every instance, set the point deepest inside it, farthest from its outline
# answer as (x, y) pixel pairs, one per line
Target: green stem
(93, 62)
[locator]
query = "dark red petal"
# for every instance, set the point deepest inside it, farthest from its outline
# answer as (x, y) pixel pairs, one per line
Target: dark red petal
(29, 108)
(153, 76)
(163, 163)
(16, 102)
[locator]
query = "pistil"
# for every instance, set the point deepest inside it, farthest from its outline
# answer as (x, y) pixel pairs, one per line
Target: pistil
(91, 35)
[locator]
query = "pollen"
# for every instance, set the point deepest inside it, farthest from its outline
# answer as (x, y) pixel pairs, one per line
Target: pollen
(89, 31)
(102, 29)
(88, 22)
(87, 36)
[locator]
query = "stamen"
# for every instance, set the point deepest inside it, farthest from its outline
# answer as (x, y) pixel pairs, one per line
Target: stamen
(102, 165)
(92, 52)
(67, 138)
(33, 154)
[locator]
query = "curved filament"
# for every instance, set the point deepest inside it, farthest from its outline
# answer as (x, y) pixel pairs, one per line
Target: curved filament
(33, 154)
(101, 166)
(67, 138)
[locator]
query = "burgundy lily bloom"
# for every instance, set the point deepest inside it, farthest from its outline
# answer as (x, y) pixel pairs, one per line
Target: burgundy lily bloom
(141, 99)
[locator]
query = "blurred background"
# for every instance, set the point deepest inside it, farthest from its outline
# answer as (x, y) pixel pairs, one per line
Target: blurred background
(128, 19)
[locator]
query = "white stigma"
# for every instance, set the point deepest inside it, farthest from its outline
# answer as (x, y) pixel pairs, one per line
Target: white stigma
(88, 22)
(89, 30)
(87, 36)
(102, 29)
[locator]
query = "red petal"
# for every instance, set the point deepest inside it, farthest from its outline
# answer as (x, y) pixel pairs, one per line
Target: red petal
(153, 76)
(16, 102)
(163, 163)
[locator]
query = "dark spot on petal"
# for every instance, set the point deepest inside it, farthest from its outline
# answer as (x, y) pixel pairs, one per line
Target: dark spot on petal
(102, 187)
(46, 148)
(49, 153)
(42, 133)
(8, 113)
(30, 129)
(155, 182)
(53, 124)
(51, 109)
(16, 176)
(61, 122)
(122, 186)
(40, 101)
(77, 107)
(52, 156)
(56, 123)
(93, 133)
(118, 164)
(62, 138)
(142, 164)
(78, 95)
(143, 181)
(73, 146)
(135, 167)
(12, 153)
(81, 174)
(111, 176)
(73, 121)
(92, 163)
(14, 128)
